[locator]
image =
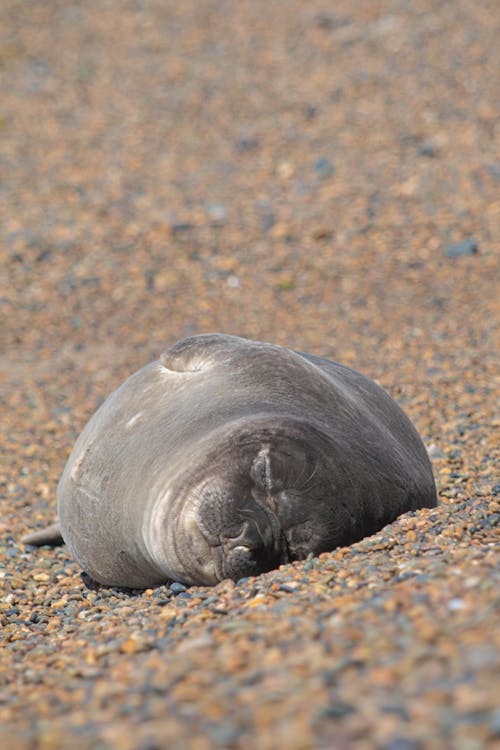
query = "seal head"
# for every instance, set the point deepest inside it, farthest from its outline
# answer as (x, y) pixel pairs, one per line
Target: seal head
(271, 496)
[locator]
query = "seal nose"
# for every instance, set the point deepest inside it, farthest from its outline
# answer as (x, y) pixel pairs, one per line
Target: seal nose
(254, 550)
(245, 538)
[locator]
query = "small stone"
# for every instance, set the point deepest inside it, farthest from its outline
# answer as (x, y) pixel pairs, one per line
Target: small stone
(181, 228)
(321, 233)
(494, 170)
(162, 592)
(89, 583)
(323, 168)
(494, 722)
(233, 282)
(337, 711)
(257, 601)
(285, 169)
(217, 212)
(467, 247)
(223, 734)
(456, 604)
(435, 452)
(286, 283)
(129, 646)
(268, 222)
(177, 588)
(246, 144)
(430, 150)
(325, 22)
(402, 743)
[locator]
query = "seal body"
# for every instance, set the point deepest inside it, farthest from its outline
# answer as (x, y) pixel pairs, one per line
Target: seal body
(228, 457)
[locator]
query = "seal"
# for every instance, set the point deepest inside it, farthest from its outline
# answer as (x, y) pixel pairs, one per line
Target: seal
(228, 457)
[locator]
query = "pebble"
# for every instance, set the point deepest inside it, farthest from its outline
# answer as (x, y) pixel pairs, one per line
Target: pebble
(217, 212)
(247, 144)
(428, 149)
(177, 588)
(324, 168)
(466, 247)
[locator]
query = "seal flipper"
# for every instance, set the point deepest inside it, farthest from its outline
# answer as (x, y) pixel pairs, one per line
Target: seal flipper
(51, 535)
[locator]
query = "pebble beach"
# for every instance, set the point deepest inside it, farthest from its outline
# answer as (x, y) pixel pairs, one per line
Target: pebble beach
(324, 176)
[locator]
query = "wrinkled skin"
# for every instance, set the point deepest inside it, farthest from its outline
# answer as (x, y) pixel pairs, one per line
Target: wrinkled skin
(229, 457)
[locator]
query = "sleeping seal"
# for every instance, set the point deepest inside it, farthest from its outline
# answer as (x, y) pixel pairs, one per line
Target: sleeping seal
(226, 458)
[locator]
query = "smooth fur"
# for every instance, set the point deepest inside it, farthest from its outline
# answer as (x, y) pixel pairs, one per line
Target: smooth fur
(227, 457)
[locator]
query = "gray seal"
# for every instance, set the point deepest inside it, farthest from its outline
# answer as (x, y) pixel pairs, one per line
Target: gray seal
(228, 457)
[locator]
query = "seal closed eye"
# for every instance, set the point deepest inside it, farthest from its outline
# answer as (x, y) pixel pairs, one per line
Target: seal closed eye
(228, 457)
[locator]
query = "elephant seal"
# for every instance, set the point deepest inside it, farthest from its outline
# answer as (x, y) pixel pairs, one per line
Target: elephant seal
(228, 457)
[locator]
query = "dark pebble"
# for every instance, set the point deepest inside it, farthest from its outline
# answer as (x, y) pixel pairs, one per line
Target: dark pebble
(402, 743)
(467, 247)
(268, 222)
(162, 593)
(494, 722)
(177, 588)
(337, 711)
(428, 149)
(325, 22)
(247, 144)
(89, 582)
(494, 170)
(181, 228)
(330, 677)
(397, 709)
(323, 168)
(223, 734)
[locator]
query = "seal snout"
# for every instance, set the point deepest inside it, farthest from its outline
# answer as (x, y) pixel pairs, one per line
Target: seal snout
(254, 550)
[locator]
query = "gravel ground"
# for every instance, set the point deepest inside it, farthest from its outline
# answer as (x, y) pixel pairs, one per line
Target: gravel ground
(324, 176)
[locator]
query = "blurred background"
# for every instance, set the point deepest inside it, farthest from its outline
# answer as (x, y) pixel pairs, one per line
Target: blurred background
(300, 172)
(323, 177)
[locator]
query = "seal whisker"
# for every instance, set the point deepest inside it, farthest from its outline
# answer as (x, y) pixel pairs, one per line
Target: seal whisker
(308, 480)
(247, 513)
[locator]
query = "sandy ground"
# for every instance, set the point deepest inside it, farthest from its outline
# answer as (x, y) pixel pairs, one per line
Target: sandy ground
(323, 176)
